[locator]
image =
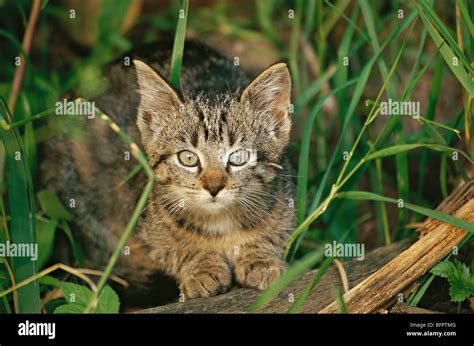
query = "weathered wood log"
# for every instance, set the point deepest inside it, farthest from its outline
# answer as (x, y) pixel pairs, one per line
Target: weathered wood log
(438, 240)
(373, 282)
(239, 300)
(402, 308)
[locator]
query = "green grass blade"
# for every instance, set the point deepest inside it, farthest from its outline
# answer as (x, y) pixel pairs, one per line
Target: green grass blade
(448, 55)
(312, 89)
(29, 137)
(264, 17)
(303, 166)
(401, 159)
(428, 13)
(294, 43)
(295, 271)
(298, 303)
(343, 52)
(178, 46)
(465, 15)
(395, 149)
(434, 214)
(304, 151)
(21, 204)
(355, 99)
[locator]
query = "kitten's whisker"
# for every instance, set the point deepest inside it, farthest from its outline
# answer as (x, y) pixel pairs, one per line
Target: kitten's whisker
(275, 165)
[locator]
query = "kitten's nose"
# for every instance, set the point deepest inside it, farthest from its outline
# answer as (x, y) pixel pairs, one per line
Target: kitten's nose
(213, 181)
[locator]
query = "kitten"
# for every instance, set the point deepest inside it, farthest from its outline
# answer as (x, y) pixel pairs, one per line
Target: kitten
(222, 202)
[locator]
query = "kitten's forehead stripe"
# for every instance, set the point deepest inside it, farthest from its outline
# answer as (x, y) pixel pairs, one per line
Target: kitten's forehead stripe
(231, 136)
(194, 138)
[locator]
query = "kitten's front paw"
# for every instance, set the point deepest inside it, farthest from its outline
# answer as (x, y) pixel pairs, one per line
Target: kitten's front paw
(206, 283)
(259, 273)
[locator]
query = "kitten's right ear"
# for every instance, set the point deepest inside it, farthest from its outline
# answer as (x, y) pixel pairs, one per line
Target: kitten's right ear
(158, 98)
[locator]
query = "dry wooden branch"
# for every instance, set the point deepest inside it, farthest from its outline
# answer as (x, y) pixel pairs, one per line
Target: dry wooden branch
(375, 281)
(438, 240)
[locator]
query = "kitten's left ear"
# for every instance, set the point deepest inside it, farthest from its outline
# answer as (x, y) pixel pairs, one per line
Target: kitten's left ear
(270, 93)
(158, 100)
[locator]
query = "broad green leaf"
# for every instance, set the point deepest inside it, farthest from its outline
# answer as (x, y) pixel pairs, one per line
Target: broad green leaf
(444, 269)
(108, 301)
(50, 281)
(70, 309)
(461, 288)
(78, 297)
(52, 206)
(45, 237)
(76, 294)
(76, 249)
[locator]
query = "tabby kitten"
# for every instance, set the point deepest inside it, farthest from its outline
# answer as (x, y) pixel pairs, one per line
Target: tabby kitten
(222, 203)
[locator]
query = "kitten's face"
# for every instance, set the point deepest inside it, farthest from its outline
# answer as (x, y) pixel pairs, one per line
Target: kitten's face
(215, 161)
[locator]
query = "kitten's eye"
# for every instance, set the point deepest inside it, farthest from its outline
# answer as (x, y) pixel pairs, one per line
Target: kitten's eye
(239, 157)
(188, 158)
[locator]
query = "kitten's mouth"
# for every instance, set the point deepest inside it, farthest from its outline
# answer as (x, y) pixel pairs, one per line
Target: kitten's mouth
(212, 204)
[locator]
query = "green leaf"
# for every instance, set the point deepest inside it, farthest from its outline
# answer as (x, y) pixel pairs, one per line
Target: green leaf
(76, 249)
(50, 281)
(76, 294)
(458, 294)
(444, 269)
(45, 238)
(108, 301)
(459, 277)
(462, 270)
(52, 206)
(44, 4)
(69, 309)
(461, 289)
(78, 297)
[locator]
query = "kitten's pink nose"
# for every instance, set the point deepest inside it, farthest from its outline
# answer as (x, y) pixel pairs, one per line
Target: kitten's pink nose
(213, 181)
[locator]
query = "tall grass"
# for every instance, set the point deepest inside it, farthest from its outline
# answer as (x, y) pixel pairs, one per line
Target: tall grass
(21, 203)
